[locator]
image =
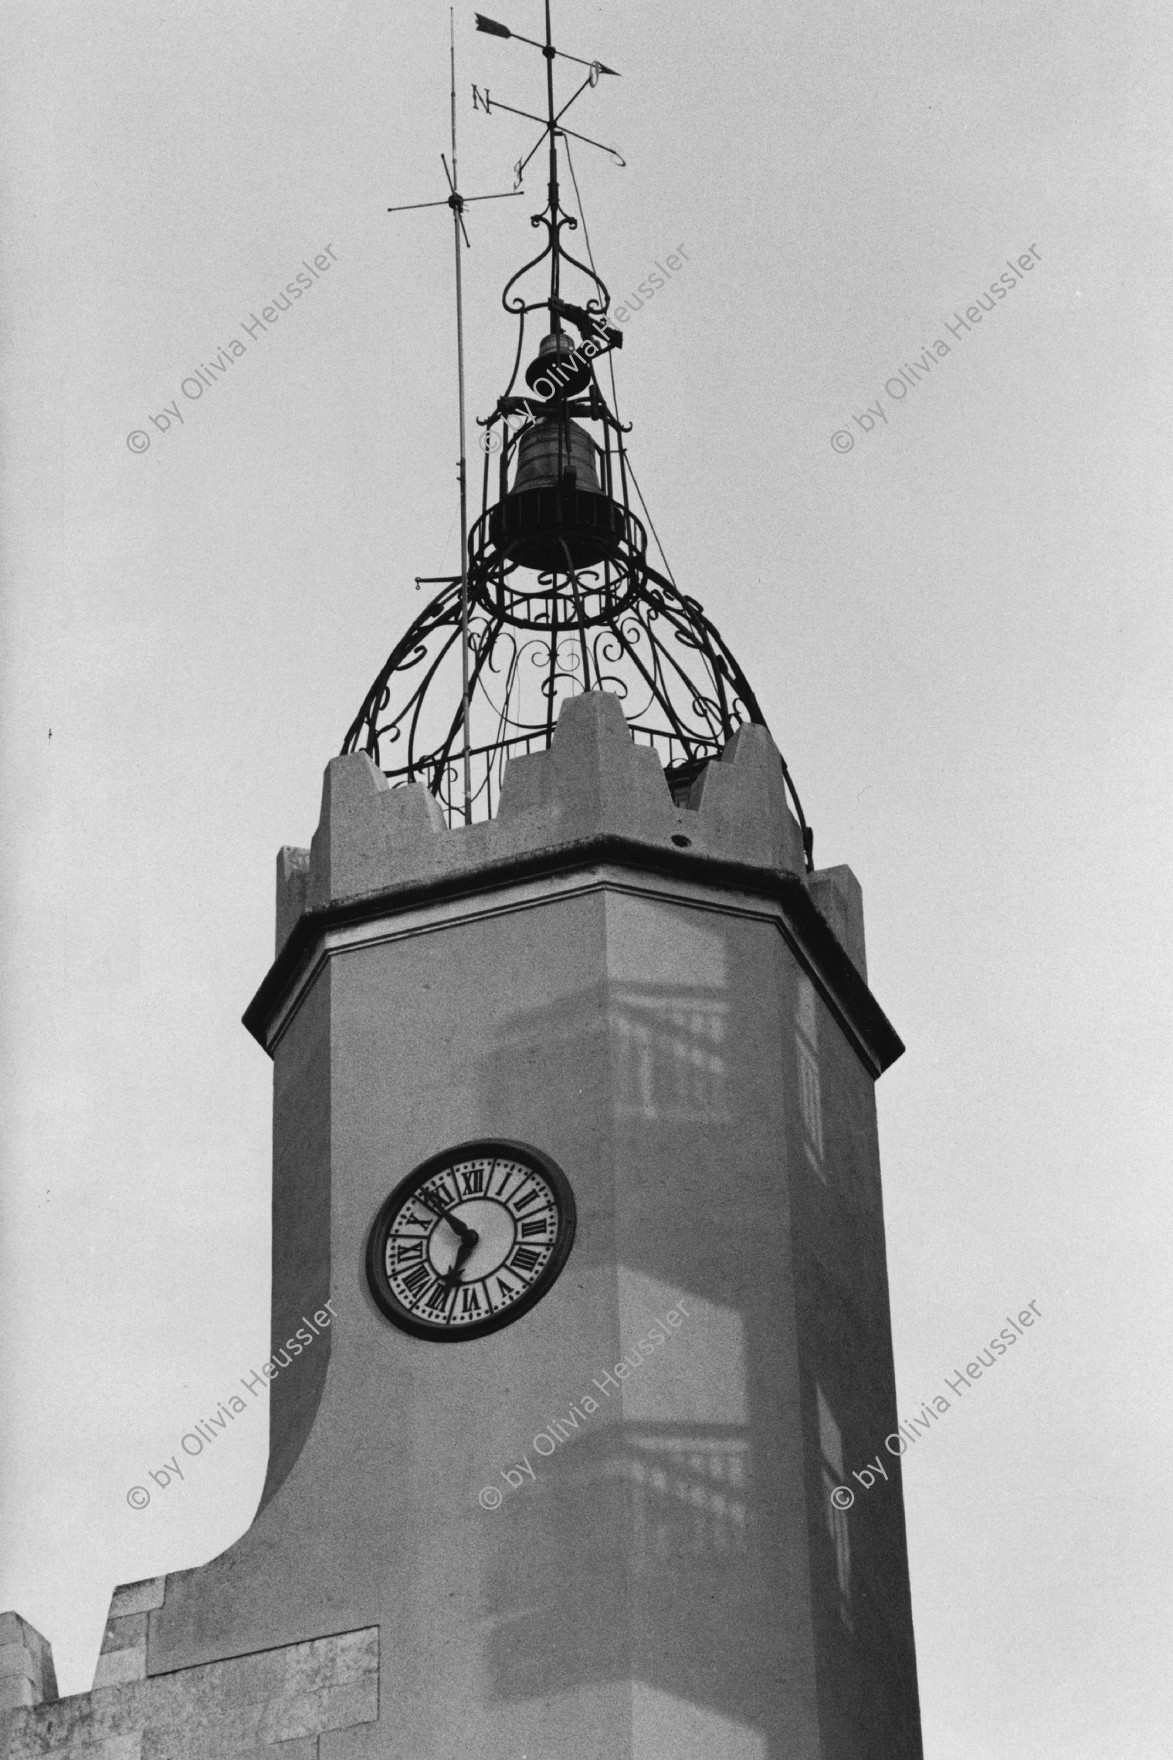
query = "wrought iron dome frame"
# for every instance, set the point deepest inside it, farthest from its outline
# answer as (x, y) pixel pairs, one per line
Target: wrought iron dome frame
(558, 595)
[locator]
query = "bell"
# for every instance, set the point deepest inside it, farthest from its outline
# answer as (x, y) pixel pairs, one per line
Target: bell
(556, 514)
(551, 449)
(559, 370)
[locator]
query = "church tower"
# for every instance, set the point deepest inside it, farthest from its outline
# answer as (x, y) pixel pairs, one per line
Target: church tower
(580, 1305)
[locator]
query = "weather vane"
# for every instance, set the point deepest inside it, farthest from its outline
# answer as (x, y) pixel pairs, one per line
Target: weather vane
(550, 122)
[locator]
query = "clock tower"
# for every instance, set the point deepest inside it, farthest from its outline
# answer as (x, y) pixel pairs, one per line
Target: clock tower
(580, 1306)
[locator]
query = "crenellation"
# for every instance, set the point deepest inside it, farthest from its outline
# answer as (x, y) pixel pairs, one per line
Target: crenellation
(742, 808)
(364, 828)
(124, 1643)
(839, 898)
(124, 1654)
(293, 873)
(594, 781)
(593, 778)
(27, 1675)
(140, 1597)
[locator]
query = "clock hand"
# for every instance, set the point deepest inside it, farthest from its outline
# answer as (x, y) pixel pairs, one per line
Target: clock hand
(458, 1228)
(452, 1275)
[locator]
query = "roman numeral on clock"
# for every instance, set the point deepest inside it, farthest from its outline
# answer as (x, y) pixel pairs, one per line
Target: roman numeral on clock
(437, 1296)
(470, 1301)
(535, 1225)
(473, 1181)
(417, 1279)
(505, 1288)
(524, 1259)
(507, 1173)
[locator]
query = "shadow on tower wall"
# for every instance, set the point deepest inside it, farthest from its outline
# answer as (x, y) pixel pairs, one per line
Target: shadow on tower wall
(680, 1535)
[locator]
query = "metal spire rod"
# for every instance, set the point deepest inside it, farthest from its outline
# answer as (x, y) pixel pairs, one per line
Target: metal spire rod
(458, 228)
(555, 278)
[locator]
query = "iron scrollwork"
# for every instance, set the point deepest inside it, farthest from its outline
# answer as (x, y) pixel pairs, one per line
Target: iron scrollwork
(558, 595)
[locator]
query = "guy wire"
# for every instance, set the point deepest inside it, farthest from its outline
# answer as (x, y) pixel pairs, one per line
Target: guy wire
(611, 365)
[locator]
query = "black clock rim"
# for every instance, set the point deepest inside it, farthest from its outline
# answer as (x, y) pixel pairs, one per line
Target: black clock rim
(390, 1305)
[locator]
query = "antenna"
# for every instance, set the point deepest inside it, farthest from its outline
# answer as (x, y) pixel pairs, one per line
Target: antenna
(456, 202)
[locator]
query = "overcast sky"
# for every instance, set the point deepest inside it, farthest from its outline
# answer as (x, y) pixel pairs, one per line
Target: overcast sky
(957, 628)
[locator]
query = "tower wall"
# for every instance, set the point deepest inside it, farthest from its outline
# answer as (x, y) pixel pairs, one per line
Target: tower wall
(658, 998)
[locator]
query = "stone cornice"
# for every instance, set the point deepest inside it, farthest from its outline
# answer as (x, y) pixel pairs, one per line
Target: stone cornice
(804, 924)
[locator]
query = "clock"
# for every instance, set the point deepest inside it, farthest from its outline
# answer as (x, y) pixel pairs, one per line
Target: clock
(470, 1240)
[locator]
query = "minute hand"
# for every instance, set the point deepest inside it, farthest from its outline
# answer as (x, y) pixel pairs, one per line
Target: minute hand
(452, 1275)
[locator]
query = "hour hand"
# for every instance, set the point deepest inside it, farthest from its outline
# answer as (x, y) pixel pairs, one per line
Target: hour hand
(461, 1229)
(468, 1236)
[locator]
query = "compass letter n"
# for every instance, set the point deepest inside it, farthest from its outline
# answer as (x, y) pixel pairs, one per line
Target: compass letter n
(478, 99)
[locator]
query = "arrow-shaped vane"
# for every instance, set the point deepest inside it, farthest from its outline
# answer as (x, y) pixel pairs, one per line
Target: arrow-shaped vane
(493, 29)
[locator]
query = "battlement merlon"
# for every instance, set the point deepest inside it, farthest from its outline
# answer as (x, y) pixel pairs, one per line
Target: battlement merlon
(27, 1676)
(594, 796)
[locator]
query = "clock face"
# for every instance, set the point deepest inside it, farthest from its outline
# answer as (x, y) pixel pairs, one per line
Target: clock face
(470, 1240)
